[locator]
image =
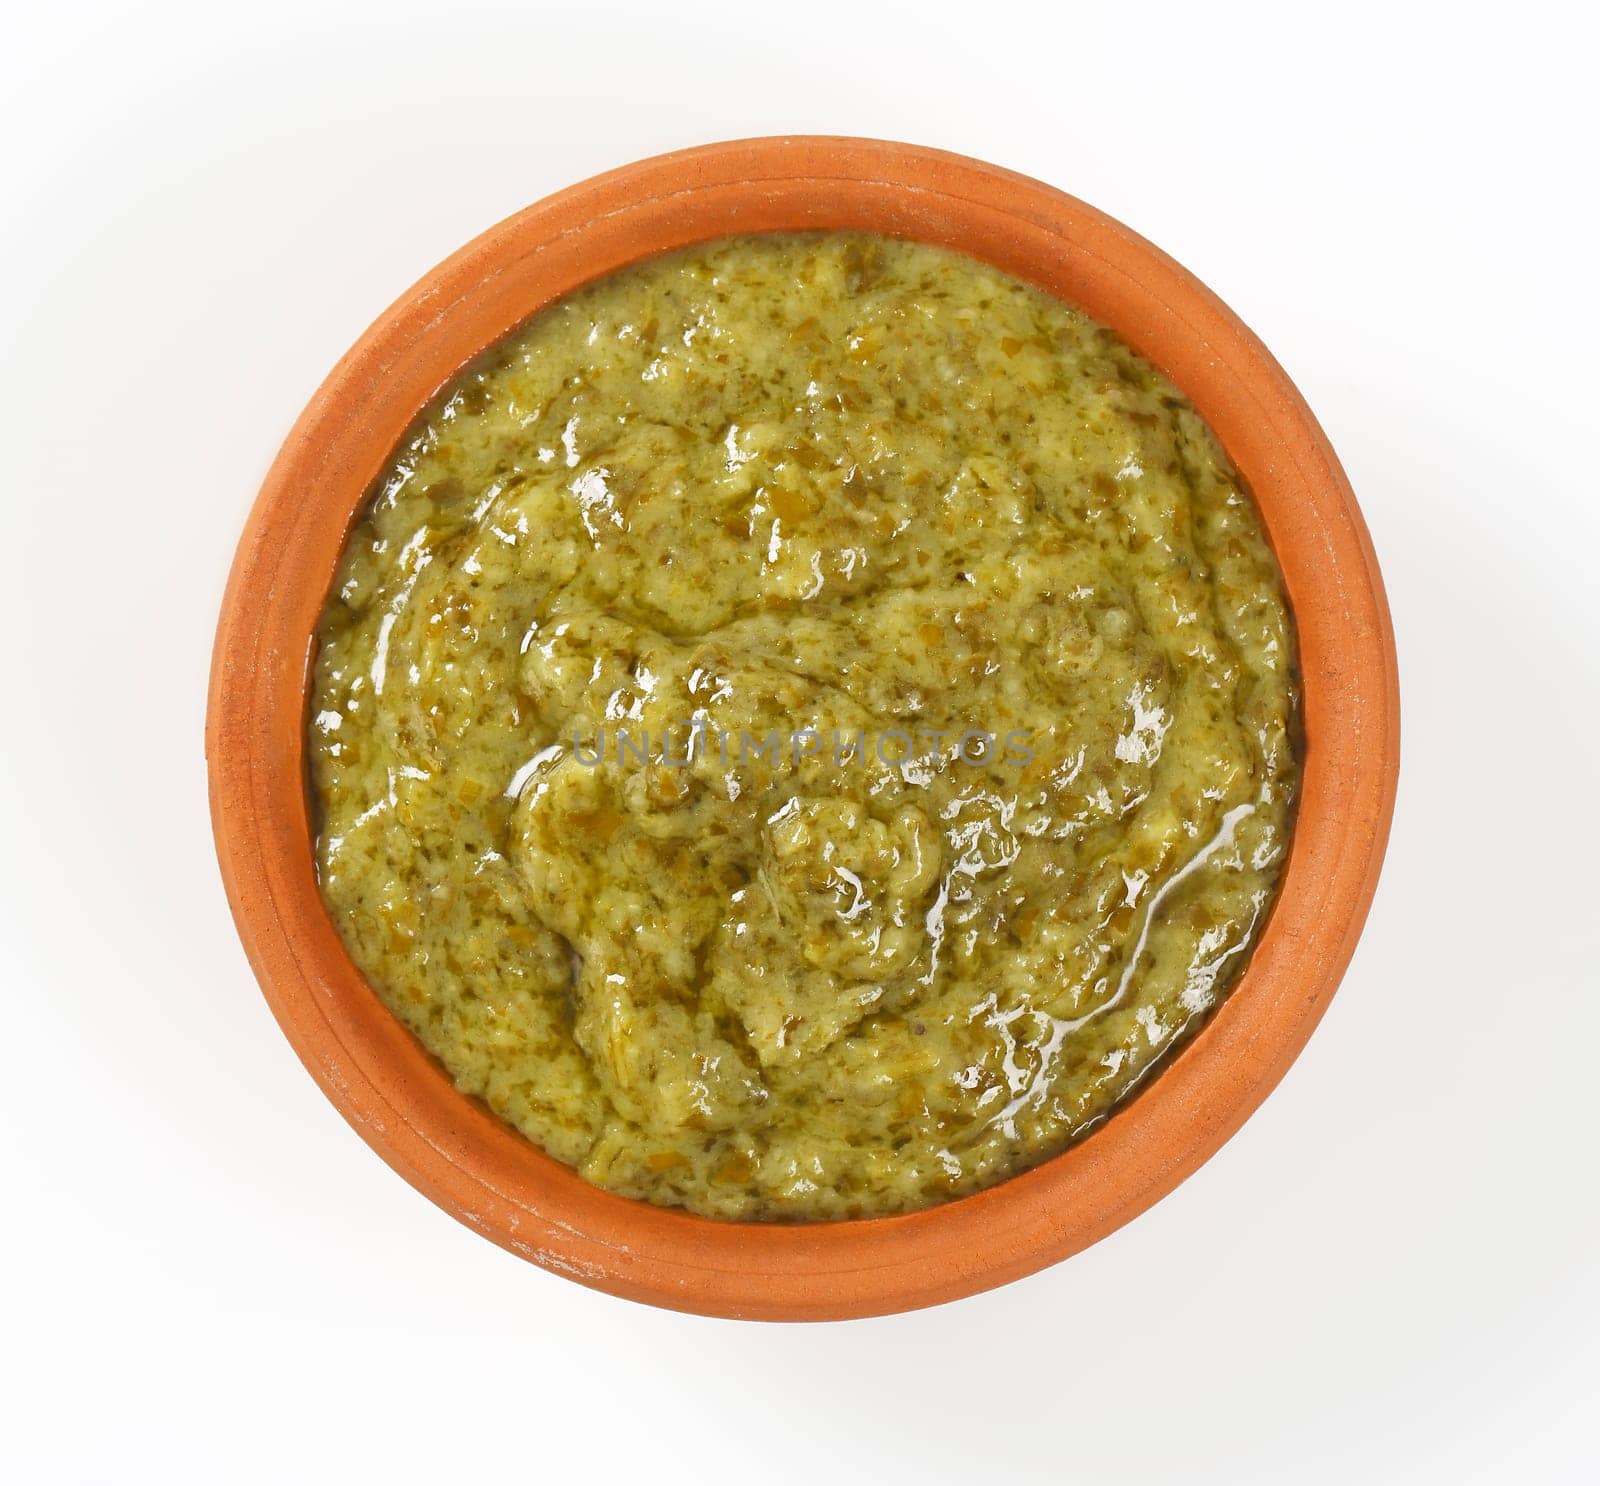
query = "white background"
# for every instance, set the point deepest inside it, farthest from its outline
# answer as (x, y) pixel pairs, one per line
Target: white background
(1392, 1274)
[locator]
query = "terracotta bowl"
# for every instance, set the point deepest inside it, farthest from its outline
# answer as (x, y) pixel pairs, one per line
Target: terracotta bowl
(401, 1101)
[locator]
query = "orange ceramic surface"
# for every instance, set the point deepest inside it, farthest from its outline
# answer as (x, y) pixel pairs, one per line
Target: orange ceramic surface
(461, 1156)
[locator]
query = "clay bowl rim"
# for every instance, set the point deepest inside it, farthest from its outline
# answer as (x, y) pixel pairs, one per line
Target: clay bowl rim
(399, 1099)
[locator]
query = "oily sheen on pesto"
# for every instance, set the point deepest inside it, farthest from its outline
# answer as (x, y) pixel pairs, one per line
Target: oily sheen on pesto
(803, 727)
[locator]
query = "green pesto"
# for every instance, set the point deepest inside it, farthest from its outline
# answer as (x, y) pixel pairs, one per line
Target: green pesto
(855, 502)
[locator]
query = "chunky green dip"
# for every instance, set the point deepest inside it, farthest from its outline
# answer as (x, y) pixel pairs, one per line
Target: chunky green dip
(803, 727)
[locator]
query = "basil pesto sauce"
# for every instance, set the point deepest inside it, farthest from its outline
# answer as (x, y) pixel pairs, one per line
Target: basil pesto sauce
(803, 726)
